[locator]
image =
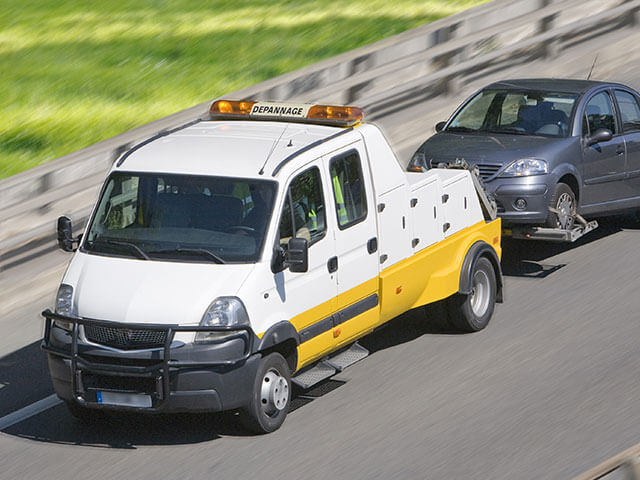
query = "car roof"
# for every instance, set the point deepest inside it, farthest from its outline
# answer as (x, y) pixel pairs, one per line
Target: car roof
(563, 85)
(233, 148)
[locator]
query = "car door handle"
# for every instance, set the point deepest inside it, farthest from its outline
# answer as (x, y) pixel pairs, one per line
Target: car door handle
(332, 264)
(620, 150)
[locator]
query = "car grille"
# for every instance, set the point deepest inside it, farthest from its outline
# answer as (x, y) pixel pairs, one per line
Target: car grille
(487, 170)
(125, 338)
(500, 207)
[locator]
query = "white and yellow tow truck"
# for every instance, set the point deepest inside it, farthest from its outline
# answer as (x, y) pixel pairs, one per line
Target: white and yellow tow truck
(232, 257)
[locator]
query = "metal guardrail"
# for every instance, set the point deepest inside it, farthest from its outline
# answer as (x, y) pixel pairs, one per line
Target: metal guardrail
(627, 461)
(430, 60)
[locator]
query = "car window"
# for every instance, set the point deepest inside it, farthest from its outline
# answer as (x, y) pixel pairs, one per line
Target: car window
(629, 111)
(348, 189)
(599, 113)
(303, 214)
(516, 112)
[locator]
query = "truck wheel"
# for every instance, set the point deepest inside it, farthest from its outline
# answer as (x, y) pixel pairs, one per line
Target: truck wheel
(472, 312)
(271, 396)
(564, 205)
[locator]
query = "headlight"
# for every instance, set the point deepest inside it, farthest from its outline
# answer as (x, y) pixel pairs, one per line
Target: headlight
(223, 312)
(525, 167)
(64, 305)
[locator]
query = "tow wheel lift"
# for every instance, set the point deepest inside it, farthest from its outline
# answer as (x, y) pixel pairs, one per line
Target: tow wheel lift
(580, 228)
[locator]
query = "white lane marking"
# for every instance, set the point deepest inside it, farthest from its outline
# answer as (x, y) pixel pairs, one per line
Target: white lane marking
(29, 411)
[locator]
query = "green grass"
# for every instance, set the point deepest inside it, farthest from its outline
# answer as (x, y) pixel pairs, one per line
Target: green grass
(73, 73)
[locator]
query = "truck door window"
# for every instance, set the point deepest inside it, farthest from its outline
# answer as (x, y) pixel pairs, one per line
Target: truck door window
(629, 111)
(348, 189)
(303, 214)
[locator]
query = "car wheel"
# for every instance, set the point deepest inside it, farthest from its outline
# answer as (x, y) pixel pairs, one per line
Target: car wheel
(472, 312)
(271, 396)
(562, 208)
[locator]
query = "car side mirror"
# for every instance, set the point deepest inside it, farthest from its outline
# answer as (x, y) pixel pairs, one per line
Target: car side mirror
(440, 126)
(600, 135)
(297, 255)
(65, 234)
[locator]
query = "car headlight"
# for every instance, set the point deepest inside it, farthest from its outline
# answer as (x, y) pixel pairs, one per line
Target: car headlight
(525, 167)
(223, 312)
(64, 305)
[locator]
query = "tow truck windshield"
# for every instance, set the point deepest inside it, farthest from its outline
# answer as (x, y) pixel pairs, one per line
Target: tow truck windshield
(514, 112)
(181, 218)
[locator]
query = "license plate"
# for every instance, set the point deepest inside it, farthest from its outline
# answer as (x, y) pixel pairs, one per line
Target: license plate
(124, 399)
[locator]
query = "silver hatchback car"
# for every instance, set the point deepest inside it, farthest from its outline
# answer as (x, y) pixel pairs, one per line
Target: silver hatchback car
(547, 149)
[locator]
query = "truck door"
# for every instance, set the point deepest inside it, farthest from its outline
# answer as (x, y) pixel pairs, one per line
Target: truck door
(356, 261)
(309, 298)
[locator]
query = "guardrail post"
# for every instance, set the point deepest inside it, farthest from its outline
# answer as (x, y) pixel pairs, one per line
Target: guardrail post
(550, 47)
(45, 185)
(357, 65)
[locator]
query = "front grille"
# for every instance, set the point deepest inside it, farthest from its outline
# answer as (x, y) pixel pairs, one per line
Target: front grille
(500, 207)
(126, 384)
(125, 338)
(487, 170)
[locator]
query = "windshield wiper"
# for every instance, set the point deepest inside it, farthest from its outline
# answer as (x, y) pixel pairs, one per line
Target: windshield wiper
(512, 131)
(460, 129)
(132, 246)
(198, 251)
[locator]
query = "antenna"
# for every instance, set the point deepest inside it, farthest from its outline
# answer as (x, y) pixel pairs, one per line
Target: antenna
(273, 147)
(592, 65)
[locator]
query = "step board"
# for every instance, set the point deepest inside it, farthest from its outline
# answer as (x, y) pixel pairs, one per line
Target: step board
(329, 366)
(348, 357)
(320, 371)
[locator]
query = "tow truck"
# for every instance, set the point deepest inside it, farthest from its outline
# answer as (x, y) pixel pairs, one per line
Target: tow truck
(234, 257)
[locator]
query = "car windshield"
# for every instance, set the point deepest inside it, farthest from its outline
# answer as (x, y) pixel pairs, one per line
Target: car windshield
(181, 218)
(515, 112)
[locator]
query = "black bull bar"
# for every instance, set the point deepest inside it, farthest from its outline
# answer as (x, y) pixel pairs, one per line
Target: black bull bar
(160, 370)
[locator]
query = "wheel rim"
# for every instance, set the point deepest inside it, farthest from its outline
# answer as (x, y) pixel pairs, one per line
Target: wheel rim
(274, 393)
(480, 293)
(566, 207)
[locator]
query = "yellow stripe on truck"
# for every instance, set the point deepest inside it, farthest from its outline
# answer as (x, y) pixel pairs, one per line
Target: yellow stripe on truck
(431, 274)
(427, 276)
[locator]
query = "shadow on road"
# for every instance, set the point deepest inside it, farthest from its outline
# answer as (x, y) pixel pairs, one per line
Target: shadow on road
(526, 258)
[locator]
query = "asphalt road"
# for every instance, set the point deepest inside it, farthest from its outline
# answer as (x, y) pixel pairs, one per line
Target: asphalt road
(548, 390)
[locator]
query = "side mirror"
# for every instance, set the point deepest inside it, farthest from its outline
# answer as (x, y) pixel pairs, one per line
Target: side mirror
(65, 234)
(297, 255)
(440, 126)
(600, 135)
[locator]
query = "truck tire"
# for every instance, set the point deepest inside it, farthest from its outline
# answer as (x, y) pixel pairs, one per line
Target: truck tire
(472, 312)
(564, 201)
(271, 396)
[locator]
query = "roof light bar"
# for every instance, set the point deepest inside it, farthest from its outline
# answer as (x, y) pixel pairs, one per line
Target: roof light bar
(336, 115)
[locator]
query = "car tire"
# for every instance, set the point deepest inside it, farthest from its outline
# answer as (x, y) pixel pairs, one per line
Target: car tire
(271, 396)
(472, 312)
(563, 201)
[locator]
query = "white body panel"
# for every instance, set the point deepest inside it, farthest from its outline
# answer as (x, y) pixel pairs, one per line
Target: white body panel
(133, 290)
(426, 213)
